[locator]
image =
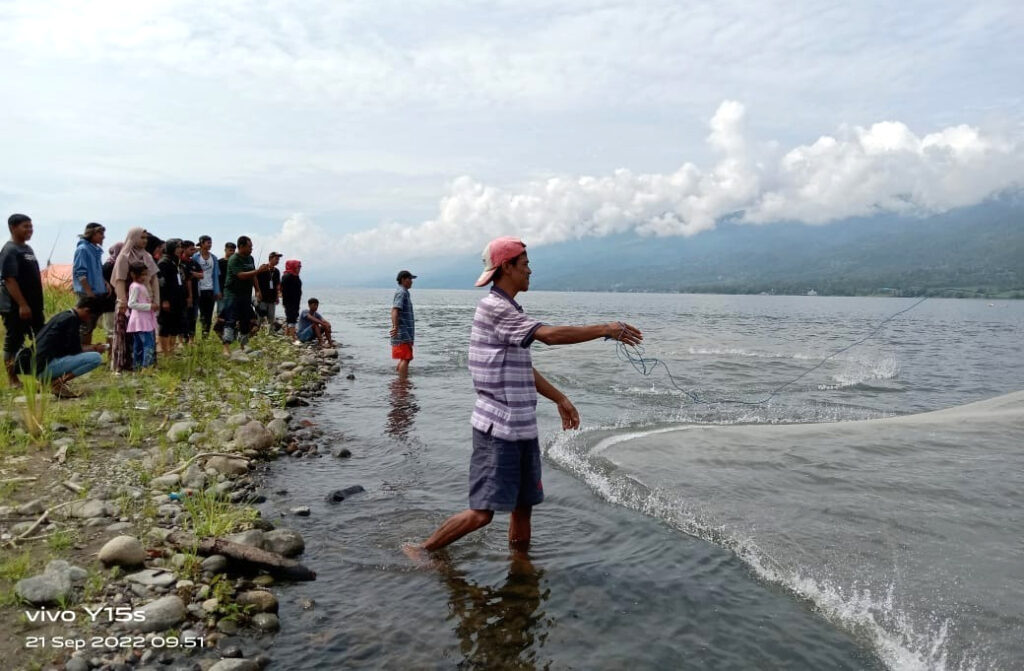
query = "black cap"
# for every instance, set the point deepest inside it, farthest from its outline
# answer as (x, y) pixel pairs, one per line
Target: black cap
(404, 274)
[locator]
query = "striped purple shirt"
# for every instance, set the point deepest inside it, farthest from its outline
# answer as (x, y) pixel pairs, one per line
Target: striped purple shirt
(502, 370)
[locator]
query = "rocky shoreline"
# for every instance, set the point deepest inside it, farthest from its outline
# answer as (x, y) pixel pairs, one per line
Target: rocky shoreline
(142, 585)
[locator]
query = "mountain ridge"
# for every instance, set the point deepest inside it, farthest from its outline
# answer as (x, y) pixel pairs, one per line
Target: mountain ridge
(977, 251)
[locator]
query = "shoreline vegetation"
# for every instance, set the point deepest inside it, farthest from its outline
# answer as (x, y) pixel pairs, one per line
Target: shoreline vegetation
(128, 532)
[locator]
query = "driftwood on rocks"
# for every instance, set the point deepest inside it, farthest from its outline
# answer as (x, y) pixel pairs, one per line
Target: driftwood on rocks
(246, 554)
(204, 455)
(24, 535)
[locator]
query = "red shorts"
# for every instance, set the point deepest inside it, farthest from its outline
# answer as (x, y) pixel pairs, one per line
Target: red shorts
(402, 351)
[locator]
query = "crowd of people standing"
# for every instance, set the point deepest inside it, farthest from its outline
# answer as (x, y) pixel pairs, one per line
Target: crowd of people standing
(152, 296)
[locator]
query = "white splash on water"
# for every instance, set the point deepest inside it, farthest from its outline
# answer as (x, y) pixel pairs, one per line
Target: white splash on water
(859, 369)
(739, 351)
(900, 643)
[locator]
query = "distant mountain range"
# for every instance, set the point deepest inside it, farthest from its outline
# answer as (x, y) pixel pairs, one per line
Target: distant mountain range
(976, 251)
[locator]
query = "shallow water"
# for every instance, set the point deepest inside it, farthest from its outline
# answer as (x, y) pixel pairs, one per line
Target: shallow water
(677, 535)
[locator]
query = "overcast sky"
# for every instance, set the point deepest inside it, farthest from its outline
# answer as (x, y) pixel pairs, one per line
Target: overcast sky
(376, 131)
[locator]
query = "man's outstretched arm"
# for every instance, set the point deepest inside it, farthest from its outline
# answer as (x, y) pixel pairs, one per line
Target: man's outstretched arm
(570, 335)
(570, 416)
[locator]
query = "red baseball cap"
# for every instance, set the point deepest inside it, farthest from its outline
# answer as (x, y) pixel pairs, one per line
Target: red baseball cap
(497, 252)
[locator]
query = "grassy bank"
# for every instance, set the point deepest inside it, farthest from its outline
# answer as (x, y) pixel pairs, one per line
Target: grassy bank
(120, 444)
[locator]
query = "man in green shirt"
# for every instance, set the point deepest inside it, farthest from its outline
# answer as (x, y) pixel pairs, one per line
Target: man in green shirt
(238, 286)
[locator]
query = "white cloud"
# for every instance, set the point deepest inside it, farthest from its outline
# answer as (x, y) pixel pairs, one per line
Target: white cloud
(238, 113)
(884, 167)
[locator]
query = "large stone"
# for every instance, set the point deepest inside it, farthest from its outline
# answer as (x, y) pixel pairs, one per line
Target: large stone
(253, 436)
(108, 417)
(329, 353)
(215, 564)
(266, 622)
(170, 481)
(77, 664)
(123, 551)
(238, 420)
(278, 428)
(180, 431)
(161, 614)
(260, 600)
(285, 542)
(33, 507)
(193, 477)
(152, 578)
(88, 509)
(339, 495)
(46, 589)
(252, 537)
(228, 466)
(75, 574)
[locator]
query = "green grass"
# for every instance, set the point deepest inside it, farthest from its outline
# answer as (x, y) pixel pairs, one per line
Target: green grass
(208, 514)
(61, 540)
(16, 567)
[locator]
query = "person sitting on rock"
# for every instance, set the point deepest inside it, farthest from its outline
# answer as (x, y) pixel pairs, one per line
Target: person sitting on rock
(313, 325)
(59, 352)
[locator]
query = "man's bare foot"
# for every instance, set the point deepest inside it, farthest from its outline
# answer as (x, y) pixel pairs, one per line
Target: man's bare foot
(418, 555)
(14, 383)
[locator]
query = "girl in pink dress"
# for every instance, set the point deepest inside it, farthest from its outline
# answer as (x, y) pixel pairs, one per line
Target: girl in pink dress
(142, 318)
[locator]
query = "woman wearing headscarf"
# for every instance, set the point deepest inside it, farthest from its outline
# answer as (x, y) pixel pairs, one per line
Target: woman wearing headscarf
(132, 251)
(291, 295)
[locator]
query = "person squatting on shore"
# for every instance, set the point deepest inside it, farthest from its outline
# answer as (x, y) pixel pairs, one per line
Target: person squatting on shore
(403, 323)
(21, 296)
(505, 468)
(59, 353)
(313, 325)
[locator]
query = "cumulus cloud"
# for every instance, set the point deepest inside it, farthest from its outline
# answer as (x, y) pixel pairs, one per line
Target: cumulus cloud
(859, 171)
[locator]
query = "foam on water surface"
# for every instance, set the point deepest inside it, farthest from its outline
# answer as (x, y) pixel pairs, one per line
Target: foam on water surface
(882, 605)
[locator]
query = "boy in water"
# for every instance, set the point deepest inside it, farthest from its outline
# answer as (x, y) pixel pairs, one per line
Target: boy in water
(403, 323)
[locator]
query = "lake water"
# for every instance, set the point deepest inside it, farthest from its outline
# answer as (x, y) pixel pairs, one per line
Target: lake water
(870, 516)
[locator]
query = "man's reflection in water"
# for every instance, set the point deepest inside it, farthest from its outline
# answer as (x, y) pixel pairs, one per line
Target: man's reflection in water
(403, 409)
(499, 627)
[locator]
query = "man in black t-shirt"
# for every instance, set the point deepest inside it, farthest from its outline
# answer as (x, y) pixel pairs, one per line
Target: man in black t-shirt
(193, 273)
(268, 286)
(59, 352)
(21, 294)
(222, 270)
